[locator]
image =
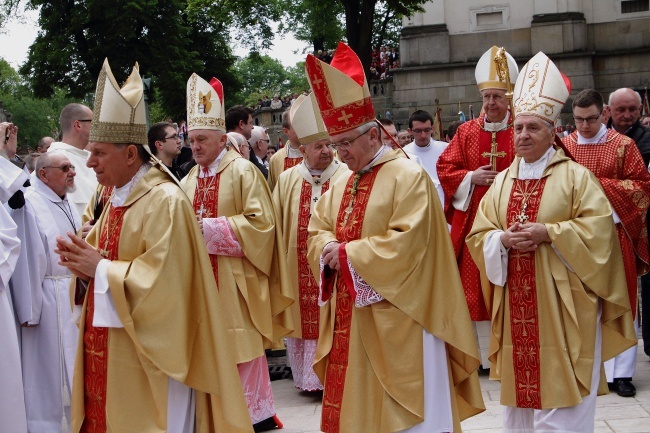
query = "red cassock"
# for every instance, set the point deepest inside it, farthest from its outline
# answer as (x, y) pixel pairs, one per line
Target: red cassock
(468, 151)
(619, 167)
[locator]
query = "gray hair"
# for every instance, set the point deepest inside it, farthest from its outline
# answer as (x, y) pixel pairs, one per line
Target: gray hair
(256, 134)
(69, 114)
(619, 92)
(44, 160)
(236, 138)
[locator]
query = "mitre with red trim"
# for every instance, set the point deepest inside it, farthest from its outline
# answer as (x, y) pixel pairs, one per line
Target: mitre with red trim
(205, 108)
(341, 90)
(541, 89)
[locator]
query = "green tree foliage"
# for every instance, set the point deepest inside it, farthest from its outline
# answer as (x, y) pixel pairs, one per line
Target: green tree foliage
(262, 75)
(35, 118)
(168, 42)
(317, 22)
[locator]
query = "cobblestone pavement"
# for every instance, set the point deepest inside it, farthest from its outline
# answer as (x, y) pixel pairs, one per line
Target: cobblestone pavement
(300, 411)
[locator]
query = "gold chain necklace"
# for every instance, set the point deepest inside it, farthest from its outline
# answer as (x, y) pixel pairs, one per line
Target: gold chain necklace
(111, 231)
(521, 216)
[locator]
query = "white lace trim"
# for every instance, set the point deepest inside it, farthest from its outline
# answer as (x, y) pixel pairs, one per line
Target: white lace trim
(366, 295)
(301, 354)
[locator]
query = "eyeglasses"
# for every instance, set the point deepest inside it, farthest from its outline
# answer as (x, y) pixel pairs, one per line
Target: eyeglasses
(345, 145)
(174, 137)
(63, 168)
(84, 120)
(420, 131)
(590, 119)
(267, 140)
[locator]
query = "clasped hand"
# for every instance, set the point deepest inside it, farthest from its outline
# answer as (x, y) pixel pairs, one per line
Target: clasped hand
(331, 255)
(525, 237)
(78, 256)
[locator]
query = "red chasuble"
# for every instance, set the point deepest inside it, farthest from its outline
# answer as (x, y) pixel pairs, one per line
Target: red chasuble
(464, 154)
(307, 285)
(348, 228)
(620, 169)
(206, 203)
(522, 299)
(95, 340)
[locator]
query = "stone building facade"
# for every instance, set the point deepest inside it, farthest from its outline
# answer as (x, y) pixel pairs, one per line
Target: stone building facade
(600, 44)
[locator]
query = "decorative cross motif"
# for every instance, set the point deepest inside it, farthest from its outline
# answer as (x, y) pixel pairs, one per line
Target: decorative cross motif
(523, 321)
(527, 386)
(317, 83)
(345, 117)
(317, 182)
(315, 199)
(493, 154)
(103, 253)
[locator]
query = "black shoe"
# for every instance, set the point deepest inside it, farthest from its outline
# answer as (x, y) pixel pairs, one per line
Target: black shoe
(624, 387)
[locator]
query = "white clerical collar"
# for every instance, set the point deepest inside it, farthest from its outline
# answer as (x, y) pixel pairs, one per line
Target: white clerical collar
(312, 171)
(383, 149)
(120, 194)
(535, 170)
(212, 168)
(496, 126)
(293, 153)
(596, 139)
(40, 187)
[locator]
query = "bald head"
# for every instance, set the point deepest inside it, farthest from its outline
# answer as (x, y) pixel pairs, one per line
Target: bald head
(625, 109)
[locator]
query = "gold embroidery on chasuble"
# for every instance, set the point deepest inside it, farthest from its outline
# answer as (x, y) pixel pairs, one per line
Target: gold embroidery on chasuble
(522, 298)
(307, 285)
(205, 205)
(348, 228)
(95, 339)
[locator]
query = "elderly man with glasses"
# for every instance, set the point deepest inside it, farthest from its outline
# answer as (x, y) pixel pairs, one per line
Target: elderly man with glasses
(618, 165)
(75, 122)
(388, 285)
(480, 149)
(40, 292)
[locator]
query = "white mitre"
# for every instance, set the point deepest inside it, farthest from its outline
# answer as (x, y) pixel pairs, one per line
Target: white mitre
(489, 74)
(306, 120)
(540, 90)
(205, 107)
(119, 114)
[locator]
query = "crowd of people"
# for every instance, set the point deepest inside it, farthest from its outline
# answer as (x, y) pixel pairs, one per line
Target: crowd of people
(139, 292)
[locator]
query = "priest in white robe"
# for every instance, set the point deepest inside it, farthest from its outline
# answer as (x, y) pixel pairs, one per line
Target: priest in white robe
(40, 288)
(12, 402)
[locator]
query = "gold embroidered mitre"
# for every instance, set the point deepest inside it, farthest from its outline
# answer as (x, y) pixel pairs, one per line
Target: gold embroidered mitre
(341, 90)
(491, 71)
(541, 90)
(119, 114)
(205, 107)
(306, 119)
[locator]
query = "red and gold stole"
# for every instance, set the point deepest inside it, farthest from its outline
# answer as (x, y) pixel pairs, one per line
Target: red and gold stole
(522, 297)
(206, 199)
(95, 340)
(290, 162)
(307, 285)
(348, 229)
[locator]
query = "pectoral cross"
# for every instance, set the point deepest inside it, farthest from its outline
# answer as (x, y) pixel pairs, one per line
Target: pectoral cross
(521, 216)
(493, 154)
(103, 253)
(201, 211)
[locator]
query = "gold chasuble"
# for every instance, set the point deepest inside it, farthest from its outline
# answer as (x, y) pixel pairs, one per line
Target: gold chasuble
(544, 318)
(397, 241)
(281, 162)
(165, 296)
(257, 304)
(294, 198)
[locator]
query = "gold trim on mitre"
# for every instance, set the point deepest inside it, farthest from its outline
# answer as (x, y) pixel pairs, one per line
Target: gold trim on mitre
(489, 73)
(341, 90)
(119, 114)
(306, 120)
(205, 107)
(540, 89)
